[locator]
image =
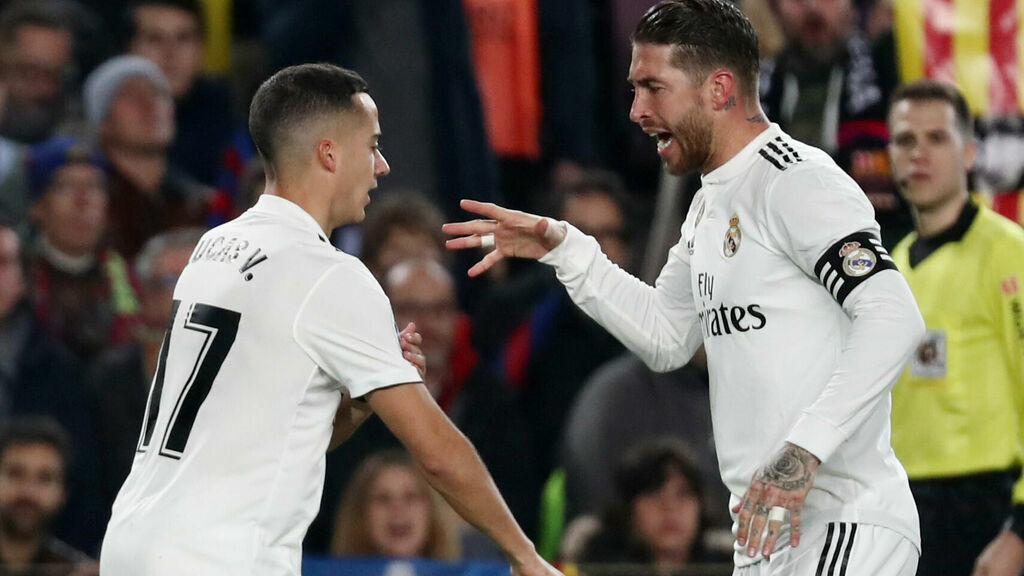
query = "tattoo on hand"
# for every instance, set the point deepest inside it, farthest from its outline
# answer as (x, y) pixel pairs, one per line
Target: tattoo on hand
(790, 469)
(730, 103)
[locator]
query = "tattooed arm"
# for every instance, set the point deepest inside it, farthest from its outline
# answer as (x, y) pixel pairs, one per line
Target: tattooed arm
(783, 482)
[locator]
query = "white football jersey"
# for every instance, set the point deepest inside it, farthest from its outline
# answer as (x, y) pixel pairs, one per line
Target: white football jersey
(271, 326)
(774, 244)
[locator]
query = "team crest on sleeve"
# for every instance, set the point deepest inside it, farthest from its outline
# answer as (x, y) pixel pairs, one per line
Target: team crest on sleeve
(733, 236)
(857, 261)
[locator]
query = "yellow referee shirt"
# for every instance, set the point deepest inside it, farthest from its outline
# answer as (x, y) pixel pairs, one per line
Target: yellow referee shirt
(957, 407)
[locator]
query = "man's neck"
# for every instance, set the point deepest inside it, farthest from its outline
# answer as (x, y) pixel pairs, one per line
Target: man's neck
(19, 552)
(144, 169)
(735, 131)
(938, 219)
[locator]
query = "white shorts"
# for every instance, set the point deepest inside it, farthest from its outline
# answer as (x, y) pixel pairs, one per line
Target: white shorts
(842, 549)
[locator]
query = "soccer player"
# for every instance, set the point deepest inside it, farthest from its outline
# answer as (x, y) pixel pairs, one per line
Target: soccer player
(781, 275)
(274, 336)
(957, 409)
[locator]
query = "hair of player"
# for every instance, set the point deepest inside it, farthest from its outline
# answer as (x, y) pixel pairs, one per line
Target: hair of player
(33, 430)
(351, 534)
(928, 90)
(49, 14)
(704, 35)
(129, 25)
(293, 97)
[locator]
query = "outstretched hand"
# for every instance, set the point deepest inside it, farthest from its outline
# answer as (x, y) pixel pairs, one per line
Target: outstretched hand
(783, 482)
(515, 233)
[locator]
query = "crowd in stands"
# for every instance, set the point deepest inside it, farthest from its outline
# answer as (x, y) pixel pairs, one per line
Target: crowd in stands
(123, 138)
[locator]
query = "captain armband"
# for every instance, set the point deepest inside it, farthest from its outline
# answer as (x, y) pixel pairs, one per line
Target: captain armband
(851, 261)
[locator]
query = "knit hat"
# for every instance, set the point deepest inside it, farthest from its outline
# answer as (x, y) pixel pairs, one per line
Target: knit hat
(103, 83)
(45, 159)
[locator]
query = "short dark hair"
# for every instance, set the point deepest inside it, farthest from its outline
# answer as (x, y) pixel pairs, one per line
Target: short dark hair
(936, 90)
(405, 209)
(295, 95)
(36, 429)
(51, 14)
(130, 27)
(704, 34)
(589, 181)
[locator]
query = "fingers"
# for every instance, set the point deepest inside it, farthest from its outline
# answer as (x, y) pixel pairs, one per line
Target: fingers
(761, 510)
(776, 516)
(746, 510)
(410, 341)
(469, 228)
(485, 264)
(485, 209)
(795, 526)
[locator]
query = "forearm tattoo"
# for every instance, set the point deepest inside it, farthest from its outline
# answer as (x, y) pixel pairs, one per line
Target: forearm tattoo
(790, 470)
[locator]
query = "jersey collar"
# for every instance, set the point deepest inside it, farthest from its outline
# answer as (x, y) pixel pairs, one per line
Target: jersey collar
(740, 163)
(279, 206)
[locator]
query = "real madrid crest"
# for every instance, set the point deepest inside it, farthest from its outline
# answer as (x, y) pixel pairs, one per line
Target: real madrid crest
(857, 261)
(732, 237)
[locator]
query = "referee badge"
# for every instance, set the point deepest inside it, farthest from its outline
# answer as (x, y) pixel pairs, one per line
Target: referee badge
(732, 237)
(857, 261)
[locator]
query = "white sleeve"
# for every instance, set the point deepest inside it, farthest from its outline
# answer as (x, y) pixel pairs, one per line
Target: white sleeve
(347, 328)
(659, 324)
(826, 226)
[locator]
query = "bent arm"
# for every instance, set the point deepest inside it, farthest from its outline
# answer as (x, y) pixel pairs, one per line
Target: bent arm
(350, 416)
(886, 328)
(451, 465)
(657, 323)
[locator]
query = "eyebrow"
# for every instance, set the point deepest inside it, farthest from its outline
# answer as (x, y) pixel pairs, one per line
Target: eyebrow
(645, 82)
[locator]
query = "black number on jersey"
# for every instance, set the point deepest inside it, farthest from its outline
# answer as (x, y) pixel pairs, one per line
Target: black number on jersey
(219, 326)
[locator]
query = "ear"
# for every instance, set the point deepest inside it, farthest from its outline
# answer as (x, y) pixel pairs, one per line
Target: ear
(328, 154)
(721, 85)
(970, 153)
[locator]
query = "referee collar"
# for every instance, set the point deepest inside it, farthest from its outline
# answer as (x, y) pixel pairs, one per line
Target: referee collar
(740, 163)
(279, 206)
(922, 247)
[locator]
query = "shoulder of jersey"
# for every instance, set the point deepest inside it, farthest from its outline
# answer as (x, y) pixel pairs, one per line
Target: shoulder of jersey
(784, 154)
(999, 230)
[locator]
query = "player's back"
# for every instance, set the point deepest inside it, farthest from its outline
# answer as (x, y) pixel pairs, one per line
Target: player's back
(229, 467)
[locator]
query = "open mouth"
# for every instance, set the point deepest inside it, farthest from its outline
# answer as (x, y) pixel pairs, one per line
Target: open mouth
(664, 140)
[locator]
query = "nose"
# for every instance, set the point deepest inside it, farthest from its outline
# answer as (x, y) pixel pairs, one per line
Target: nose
(381, 166)
(638, 108)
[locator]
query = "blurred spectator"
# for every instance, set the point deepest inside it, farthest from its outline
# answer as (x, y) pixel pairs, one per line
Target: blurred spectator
(170, 34)
(400, 226)
(438, 138)
(956, 413)
(33, 464)
(829, 87)
(624, 403)
(530, 332)
(389, 510)
(80, 291)
(657, 517)
(120, 378)
(128, 100)
(38, 376)
(37, 43)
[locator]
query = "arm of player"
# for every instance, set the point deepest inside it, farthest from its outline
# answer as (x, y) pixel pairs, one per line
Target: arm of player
(657, 323)
(451, 465)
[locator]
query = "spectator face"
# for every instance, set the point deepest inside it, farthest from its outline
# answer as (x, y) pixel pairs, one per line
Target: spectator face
(12, 279)
(398, 513)
(158, 291)
(141, 117)
(930, 156)
(424, 294)
(170, 37)
(819, 28)
(31, 488)
(33, 71)
(668, 519)
(72, 213)
(596, 214)
(667, 106)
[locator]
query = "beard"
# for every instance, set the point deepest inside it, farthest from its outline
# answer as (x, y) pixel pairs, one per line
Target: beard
(692, 134)
(29, 123)
(23, 519)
